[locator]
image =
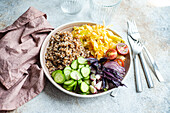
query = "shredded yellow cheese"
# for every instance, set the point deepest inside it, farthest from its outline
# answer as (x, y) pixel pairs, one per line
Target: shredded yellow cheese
(97, 38)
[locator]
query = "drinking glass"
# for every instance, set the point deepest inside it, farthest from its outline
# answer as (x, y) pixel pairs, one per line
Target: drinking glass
(103, 10)
(71, 6)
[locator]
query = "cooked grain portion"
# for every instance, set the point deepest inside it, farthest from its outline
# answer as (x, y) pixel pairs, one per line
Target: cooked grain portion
(62, 50)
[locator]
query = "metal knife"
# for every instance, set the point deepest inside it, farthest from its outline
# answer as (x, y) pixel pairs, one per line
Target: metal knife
(154, 65)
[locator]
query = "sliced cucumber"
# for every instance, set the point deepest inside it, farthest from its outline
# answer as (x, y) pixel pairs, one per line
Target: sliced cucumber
(84, 93)
(68, 82)
(85, 71)
(79, 70)
(88, 92)
(82, 60)
(64, 86)
(67, 73)
(74, 83)
(59, 77)
(75, 75)
(53, 73)
(75, 86)
(67, 88)
(80, 75)
(79, 82)
(87, 81)
(84, 87)
(87, 65)
(80, 66)
(67, 67)
(86, 78)
(74, 64)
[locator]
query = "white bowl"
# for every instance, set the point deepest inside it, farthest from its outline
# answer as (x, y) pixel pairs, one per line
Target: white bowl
(68, 27)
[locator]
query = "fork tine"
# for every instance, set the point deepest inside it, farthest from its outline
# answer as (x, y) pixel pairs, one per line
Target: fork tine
(132, 27)
(129, 27)
(135, 26)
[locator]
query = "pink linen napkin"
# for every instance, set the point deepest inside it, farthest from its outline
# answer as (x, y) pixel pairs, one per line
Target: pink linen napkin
(21, 77)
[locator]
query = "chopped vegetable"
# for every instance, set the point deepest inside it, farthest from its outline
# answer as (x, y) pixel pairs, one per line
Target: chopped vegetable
(111, 71)
(93, 83)
(85, 71)
(98, 86)
(79, 76)
(79, 82)
(107, 84)
(111, 54)
(84, 87)
(119, 61)
(80, 66)
(98, 76)
(79, 70)
(93, 89)
(53, 73)
(93, 77)
(86, 78)
(104, 83)
(74, 64)
(122, 48)
(87, 65)
(92, 60)
(115, 66)
(82, 60)
(68, 67)
(121, 57)
(67, 88)
(73, 84)
(75, 75)
(67, 73)
(69, 82)
(87, 81)
(59, 77)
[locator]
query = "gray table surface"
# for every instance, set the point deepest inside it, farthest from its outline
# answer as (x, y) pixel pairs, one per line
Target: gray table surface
(153, 21)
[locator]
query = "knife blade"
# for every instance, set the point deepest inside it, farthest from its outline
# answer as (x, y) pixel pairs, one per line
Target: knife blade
(154, 65)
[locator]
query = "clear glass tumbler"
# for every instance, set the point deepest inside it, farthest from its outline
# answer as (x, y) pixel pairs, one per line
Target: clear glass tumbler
(103, 10)
(71, 6)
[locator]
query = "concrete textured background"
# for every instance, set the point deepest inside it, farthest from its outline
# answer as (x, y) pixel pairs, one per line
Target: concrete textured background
(153, 21)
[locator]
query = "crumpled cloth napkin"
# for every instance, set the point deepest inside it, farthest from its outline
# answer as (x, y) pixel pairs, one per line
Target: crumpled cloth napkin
(21, 76)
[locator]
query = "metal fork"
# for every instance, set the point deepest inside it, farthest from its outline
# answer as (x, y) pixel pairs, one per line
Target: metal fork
(135, 35)
(133, 32)
(136, 48)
